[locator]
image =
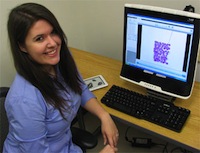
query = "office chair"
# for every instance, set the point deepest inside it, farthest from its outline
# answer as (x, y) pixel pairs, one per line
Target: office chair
(84, 139)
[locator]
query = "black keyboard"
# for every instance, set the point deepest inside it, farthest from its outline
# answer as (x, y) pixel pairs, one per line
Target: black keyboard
(144, 107)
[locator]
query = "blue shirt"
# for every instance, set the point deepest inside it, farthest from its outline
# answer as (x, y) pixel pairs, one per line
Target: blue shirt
(37, 127)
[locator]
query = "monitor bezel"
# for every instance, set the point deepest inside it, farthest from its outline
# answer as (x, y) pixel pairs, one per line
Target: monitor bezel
(168, 86)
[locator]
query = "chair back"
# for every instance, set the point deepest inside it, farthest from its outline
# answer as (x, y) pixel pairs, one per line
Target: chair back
(4, 126)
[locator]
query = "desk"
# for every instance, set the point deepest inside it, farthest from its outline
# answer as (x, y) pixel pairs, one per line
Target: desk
(90, 64)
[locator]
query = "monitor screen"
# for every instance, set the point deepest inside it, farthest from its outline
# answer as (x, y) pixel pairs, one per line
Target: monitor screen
(160, 49)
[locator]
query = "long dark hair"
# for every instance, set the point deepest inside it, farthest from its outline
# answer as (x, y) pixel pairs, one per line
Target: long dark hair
(21, 19)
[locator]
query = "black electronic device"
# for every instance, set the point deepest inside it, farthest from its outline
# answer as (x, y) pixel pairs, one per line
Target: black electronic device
(160, 50)
(162, 113)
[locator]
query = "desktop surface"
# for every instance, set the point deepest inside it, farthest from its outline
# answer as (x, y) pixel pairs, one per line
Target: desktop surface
(90, 64)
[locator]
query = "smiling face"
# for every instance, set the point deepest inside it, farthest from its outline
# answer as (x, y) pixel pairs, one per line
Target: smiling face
(43, 45)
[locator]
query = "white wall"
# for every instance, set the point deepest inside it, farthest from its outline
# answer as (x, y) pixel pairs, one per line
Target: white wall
(92, 25)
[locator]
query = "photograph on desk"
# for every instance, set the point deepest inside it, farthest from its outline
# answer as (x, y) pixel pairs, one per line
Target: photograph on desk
(96, 82)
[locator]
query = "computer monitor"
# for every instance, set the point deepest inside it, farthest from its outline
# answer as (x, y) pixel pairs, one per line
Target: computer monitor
(160, 50)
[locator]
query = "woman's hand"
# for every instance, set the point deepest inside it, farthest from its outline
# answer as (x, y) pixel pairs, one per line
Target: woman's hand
(108, 149)
(109, 130)
(108, 127)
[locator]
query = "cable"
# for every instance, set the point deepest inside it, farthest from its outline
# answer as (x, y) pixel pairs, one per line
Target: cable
(143, 142)
(181, 149)
(189, 8)
(147, 143)
(126, 137)
(165, 148)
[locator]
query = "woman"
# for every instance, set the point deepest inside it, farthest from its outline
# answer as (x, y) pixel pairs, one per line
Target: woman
(47, 90)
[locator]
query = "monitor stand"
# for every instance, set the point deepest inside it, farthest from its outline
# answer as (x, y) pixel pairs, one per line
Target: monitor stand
(160, 96)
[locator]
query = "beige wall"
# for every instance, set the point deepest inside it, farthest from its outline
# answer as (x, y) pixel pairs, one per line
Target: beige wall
(92, 25)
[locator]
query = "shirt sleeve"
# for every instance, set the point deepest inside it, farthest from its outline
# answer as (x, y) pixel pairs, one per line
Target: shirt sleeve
(86, 94)
(27, 125)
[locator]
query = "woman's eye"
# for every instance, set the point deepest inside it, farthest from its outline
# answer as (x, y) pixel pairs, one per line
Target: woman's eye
(39, 38)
